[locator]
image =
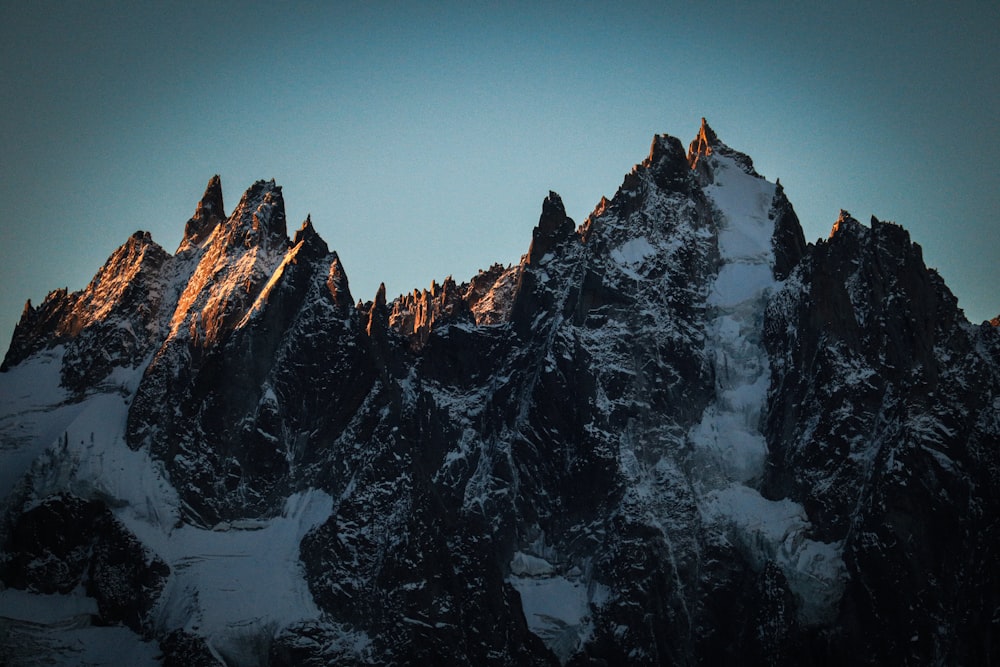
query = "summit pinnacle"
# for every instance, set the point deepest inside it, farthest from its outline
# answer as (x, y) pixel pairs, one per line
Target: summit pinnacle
(553, 226)
(702, 144)
(209, 213)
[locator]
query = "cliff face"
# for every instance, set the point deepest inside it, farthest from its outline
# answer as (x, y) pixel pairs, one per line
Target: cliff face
(675, 434)
(882, 423)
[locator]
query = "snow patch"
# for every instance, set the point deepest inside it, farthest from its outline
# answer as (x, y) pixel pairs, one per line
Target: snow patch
(237, 588)
(633, 252)
(556, 609)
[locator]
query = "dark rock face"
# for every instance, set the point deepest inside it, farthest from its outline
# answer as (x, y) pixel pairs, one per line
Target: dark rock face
(553, 226)
(789, 243)
(65, 542)
(644, 444)
(37, 327)
(207, 216)
(183, 649)
(289, 329)
(877, 426)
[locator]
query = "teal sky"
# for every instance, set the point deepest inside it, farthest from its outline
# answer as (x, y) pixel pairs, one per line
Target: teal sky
(423, 138)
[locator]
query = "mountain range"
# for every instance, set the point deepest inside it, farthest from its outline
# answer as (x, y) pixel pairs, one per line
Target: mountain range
(673, 434)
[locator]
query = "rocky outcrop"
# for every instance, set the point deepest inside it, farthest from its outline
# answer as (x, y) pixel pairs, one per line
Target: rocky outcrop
(788, 242)
(416, 314)
(705, 144)
(207, 216)
(38, 327)
(66, 542)
(256, 309)
(702, 145)
(553, 227)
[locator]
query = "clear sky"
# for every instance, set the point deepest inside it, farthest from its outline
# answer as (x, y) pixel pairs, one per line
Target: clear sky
(423, 137)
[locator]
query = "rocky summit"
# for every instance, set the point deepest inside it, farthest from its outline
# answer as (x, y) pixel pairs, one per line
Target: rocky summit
(673, 434)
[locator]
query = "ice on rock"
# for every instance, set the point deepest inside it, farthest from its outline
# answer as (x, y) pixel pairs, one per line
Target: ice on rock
(556, 610)
(729, 434)
(57, 630)
(738, 283)
(556, 606)
(730, 448)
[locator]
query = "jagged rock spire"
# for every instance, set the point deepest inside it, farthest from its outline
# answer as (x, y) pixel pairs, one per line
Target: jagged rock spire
(209, 213)
(260, 214)
(705, 144)
(336, 282)
(553, 226)
(378, 316)
(416, 314)
(312, 244)
(845, 221)
(702, 145)
(788, 242)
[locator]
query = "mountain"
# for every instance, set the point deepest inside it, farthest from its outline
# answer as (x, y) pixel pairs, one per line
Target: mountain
(673, 434)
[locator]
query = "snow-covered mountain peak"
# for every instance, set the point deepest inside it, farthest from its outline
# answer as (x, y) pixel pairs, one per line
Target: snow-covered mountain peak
(678, 435)
(104, 325)
(234, 262)
(117, 275)
(662, 184)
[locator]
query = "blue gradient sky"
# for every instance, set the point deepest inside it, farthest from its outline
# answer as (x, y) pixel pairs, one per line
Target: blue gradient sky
(422, 139)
